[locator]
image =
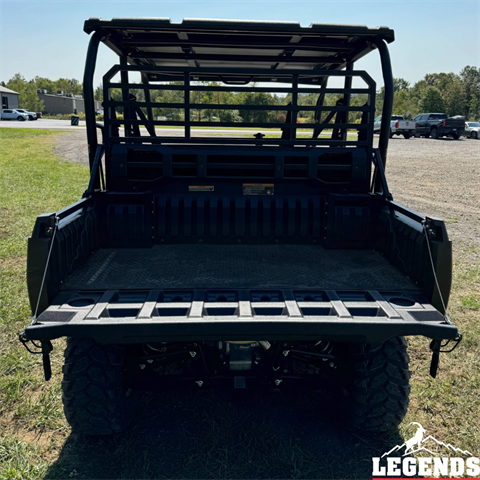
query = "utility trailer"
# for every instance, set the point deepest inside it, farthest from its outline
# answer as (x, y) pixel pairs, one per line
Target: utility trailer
(239, 261)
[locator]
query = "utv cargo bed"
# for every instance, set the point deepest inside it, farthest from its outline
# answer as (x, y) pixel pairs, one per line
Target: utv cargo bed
(239, 292)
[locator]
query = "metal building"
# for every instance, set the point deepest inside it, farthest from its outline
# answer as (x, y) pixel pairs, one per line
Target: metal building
(9, 98)
(63, 103)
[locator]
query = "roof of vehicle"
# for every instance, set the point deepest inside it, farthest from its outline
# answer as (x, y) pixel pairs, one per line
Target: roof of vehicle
(198, 43)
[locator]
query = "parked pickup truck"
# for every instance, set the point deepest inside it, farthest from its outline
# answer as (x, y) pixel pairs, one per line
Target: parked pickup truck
(437, 125)
(275, 262)
(398, 126)
(31, 115)
(13, 114)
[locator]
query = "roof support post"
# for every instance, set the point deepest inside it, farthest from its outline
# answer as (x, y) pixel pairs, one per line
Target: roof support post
(88, 95)
(319, 107)
(125, 93)
(293, 131)
(187, 119)
(387, 107)
(346, 98)
(147, 97)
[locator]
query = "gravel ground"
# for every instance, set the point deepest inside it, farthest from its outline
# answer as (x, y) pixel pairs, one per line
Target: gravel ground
(73, 147)
(440, 178)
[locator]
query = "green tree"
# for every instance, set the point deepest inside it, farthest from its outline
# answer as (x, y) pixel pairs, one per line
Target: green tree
(400, 84)
(16, 83)
(75, 86)
(452, 89)
(116, 94)
(474, 108)
(418, 90)
(432, 101)
(28, 98)
(402, 104)
(470, 77)
(440, 80)
(45, 84)
(98, 94)
(68, 85)
(454, 98)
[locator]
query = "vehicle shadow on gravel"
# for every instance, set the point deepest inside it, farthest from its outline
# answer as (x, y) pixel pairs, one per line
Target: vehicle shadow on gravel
(212, 434)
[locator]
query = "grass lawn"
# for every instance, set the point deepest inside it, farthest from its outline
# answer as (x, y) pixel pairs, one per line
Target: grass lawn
(202, 434)
(33, 181)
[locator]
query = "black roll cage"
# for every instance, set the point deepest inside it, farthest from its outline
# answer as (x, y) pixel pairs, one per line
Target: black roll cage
(131, 59)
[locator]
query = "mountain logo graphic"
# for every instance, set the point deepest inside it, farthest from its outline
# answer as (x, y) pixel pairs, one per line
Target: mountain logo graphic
(450, 463)
(418, 442)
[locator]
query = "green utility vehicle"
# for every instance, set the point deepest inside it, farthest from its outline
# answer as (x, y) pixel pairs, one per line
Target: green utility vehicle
(238, 259)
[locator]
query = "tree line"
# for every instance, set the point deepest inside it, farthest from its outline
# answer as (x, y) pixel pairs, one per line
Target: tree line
(28, 98)
(438, 93)
(450, 93)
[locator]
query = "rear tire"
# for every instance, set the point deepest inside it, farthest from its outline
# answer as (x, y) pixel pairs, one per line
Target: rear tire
(434, 134)
(20, 119)
(377, 395)
(473, 135)
(95, 400)
(455, 136)
(406, 136)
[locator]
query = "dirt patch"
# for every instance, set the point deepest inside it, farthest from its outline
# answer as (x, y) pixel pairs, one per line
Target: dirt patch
(13, 263)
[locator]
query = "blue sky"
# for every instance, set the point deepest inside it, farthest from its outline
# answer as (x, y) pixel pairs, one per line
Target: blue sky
(46, 38)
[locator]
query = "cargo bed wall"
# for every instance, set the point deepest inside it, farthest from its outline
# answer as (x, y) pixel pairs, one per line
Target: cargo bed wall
(141, 220)
(75, 237)
(402, 238)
